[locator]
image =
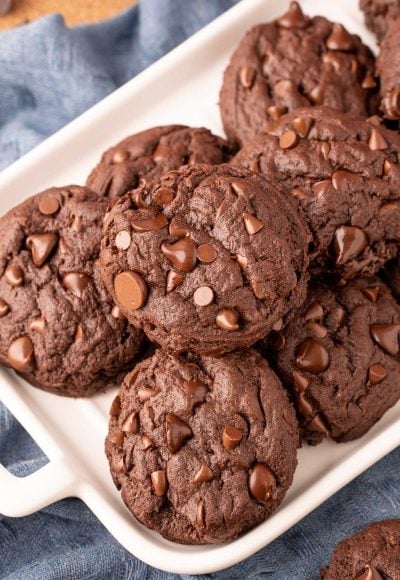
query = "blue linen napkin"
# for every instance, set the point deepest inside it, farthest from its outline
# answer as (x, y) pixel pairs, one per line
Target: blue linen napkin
(48, 75)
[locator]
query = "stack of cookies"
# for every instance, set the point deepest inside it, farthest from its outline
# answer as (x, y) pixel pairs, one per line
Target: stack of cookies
(263, 269)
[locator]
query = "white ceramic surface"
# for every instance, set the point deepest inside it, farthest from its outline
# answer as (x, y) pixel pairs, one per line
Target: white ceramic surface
(181, 88)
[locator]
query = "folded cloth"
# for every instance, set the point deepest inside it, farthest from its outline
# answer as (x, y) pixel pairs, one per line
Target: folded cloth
(48, 75)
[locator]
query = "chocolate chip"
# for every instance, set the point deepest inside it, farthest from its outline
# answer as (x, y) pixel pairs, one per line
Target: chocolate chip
(314, 313)
(387, 336)
(161, 152)
(38, 325)
(369, 573)
(174, 279)
(255, 165)
(376, 374)
(349, 242)
(200, 514)
(252, 224)
(131, 290)
(275, 112)
(146, 393)
(301, 382)
(333, 60)
(391, 103)
(123, 240)
(278, 325)
(303, 125)
(182, 254)
(157, 222)
(305, 406)
(131, 423)
(163, 196)
(14, 276)
(147, 443)
(137, 200)
(227, 319)
(317, 330)
(4, 308)
(288, 140)
(178, 433)
(371, 293)
(196, 391)
(237, 188)
(247, 76)
(206, 253)
(321, 188)
(312, 356)
(340, 39)
(377, 142)
(299, 193)
(317, 95)
(78, 334)
(49, 206)
(325, 149)
(231, 437)
(120, 156)
(41, 246)
(262, 483)
(368, 82)
(204, 474)
(115, 408)
(388, 168)
(159, 482)
(341, 177)
(76, 282)
(116, 313)
(293, 18)
(21, 356)
(177, 230)
(116, 438)
(242, 261)
(318, 424)
(203, 296)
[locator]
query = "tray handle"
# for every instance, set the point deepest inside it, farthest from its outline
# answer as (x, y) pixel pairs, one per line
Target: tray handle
(22, 496)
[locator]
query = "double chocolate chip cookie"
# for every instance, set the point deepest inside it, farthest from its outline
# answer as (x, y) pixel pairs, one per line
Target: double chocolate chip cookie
(340, 359)
(58, 325)
(388, 70)
(202, 448)
(146, 156)
(379, 13)
(345, 173)
(292, 62)
(372, 554)
(208, 259)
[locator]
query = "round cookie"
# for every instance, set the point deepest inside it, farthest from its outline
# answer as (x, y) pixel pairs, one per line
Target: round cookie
(339, 357)
(345, 173)
(388, 70)
(202, 448)
(371, 554)
(292, 62)
(379, 13)
(208, 259)
(146, 156)
(58, 325)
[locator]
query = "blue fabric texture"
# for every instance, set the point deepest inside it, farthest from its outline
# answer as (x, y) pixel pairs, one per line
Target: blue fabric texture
(48, 75)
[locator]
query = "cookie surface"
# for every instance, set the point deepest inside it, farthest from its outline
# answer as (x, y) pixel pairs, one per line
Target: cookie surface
(340, 359)
(388, 70)
(292, 62)
(202, 448)
(378, 14)
(372, 554)
(149, 154)
(58, 326)
(344, 171)
(207, 260)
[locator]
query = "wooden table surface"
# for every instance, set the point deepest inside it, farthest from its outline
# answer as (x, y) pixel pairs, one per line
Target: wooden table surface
(75, 11)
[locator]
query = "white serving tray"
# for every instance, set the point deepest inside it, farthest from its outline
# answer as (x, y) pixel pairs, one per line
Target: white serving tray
(181, 88)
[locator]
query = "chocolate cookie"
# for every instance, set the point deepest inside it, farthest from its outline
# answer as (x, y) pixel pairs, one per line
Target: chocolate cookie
(345, 173)
(58, 325)
(340, 359)
(292, 62)
(379, 13)
(388, 69)
(208, 259)
(372, 554)
(203, 448)
(148, 155)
